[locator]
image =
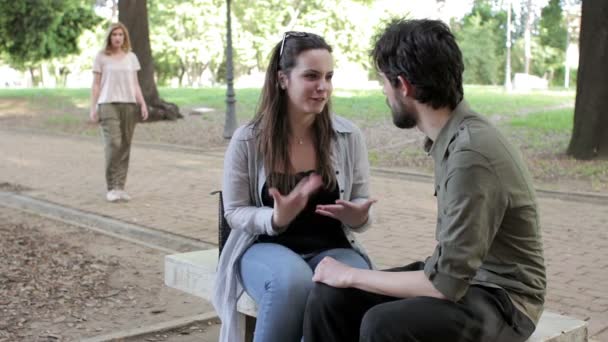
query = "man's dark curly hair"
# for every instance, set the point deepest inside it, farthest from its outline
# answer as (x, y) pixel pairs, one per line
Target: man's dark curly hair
(425, 53)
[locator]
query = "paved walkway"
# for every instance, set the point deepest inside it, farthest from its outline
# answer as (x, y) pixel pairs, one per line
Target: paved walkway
(170, 193)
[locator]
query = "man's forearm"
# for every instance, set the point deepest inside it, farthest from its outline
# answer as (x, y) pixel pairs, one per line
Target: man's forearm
(395, 284)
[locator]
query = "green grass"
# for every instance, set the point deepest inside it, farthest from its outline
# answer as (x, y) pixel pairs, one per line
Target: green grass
(488, 100)
(64, 119)
(34, 93)
(559, 120)
(539, 123)
(215, 98)
(368, 105)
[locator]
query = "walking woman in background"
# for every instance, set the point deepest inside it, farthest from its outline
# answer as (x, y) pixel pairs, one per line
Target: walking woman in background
(296, 188)
(115, 97)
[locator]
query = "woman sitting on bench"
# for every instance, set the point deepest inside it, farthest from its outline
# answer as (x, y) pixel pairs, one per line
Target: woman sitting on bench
(296, 187)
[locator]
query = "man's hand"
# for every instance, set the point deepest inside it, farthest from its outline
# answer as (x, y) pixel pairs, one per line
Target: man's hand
(333, 273)
(349, 213)
(286, 208)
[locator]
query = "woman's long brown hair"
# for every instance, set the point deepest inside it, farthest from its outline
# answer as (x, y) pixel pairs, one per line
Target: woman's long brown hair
(271, 122)
(126, 45)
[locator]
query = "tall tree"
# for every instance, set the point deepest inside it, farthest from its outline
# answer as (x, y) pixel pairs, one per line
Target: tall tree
(134, 14)
(553, 30)
(481, 36)
(187, 39)
(528, 36)
(553, 38)
(36, 31)
(589, 139)
(230, 122)
(508, 83)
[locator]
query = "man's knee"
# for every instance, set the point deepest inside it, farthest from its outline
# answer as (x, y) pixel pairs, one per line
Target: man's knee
(373, 324)
(385, 322)
(324, 296)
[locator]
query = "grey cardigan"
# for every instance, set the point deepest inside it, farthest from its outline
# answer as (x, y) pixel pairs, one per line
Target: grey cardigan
(244, 177)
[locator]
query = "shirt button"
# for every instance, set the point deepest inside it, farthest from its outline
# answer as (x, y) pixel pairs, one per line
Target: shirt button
(342, 191)
(337, 172)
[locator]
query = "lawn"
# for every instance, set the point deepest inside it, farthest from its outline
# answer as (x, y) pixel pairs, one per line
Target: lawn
(539, 123)
(368, 105)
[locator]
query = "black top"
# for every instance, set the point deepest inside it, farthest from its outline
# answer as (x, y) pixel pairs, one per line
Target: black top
(309, 232)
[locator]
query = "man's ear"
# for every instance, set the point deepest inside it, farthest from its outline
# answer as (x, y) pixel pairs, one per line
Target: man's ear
(405, 87)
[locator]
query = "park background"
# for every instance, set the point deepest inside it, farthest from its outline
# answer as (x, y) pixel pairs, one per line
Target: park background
(535, 68)
(520, 70)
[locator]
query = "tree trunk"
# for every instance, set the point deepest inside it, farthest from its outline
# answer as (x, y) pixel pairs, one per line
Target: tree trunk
(230, 122)
(508, 83)
(134, 14)
(589, 137)
(528, 38)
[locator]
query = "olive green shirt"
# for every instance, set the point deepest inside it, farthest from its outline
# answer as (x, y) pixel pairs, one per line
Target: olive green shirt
(487, 224)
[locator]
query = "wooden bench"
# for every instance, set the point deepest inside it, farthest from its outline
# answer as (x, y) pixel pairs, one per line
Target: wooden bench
(194, 273)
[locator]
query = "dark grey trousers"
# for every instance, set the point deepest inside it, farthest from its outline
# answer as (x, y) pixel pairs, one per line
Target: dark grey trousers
(347, 315)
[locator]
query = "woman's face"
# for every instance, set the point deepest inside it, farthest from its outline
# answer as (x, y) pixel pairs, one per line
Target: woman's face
(117, 38)
(309, 86)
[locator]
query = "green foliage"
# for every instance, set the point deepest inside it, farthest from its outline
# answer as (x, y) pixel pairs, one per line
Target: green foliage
(553, 41)
(344, 23)
(35, 30)
(559, 75)
(479, 40)
(553, 30)
(187, 38)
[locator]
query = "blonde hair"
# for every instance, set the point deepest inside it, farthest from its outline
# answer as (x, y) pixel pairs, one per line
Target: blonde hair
(126, 45)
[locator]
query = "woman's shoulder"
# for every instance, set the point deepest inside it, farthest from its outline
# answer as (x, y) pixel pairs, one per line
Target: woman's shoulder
(101, 54)
(133, 57)
(244, 132)
(343, 125)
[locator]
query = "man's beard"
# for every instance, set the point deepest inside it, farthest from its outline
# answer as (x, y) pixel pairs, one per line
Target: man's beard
(402, 117)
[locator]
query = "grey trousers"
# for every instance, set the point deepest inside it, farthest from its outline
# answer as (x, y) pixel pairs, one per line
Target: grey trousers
(117, 126)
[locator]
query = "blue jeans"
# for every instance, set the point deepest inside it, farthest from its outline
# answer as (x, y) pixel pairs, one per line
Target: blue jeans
(279, 281)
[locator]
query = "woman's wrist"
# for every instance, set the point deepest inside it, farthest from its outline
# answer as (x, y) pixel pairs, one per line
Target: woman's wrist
(362, 222)
(276, 226)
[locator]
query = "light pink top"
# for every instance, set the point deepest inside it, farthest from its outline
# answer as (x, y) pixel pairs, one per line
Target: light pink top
(118, 77)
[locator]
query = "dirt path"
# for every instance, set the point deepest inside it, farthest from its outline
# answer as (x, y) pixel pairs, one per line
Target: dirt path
(62, 283)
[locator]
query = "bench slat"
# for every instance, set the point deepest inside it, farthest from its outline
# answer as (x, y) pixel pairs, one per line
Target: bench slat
(194, 273)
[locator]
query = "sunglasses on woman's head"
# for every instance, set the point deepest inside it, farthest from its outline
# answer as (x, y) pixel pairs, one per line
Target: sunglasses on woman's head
(290, 34)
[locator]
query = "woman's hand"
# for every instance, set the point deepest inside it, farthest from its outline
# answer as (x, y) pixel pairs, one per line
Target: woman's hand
(93, 115)
(144, 112)
(349, 213)
(286, 208)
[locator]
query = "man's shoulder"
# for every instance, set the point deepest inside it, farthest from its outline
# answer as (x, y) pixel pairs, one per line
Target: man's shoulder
(478, 134)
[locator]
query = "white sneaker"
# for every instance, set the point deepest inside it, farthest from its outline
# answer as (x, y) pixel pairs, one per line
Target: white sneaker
(123, 195)
(112, 196)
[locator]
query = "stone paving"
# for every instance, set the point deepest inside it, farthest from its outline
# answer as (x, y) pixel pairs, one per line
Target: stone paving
(170, 192)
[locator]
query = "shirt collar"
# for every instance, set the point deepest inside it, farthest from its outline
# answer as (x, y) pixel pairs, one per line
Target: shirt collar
(437, 148)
